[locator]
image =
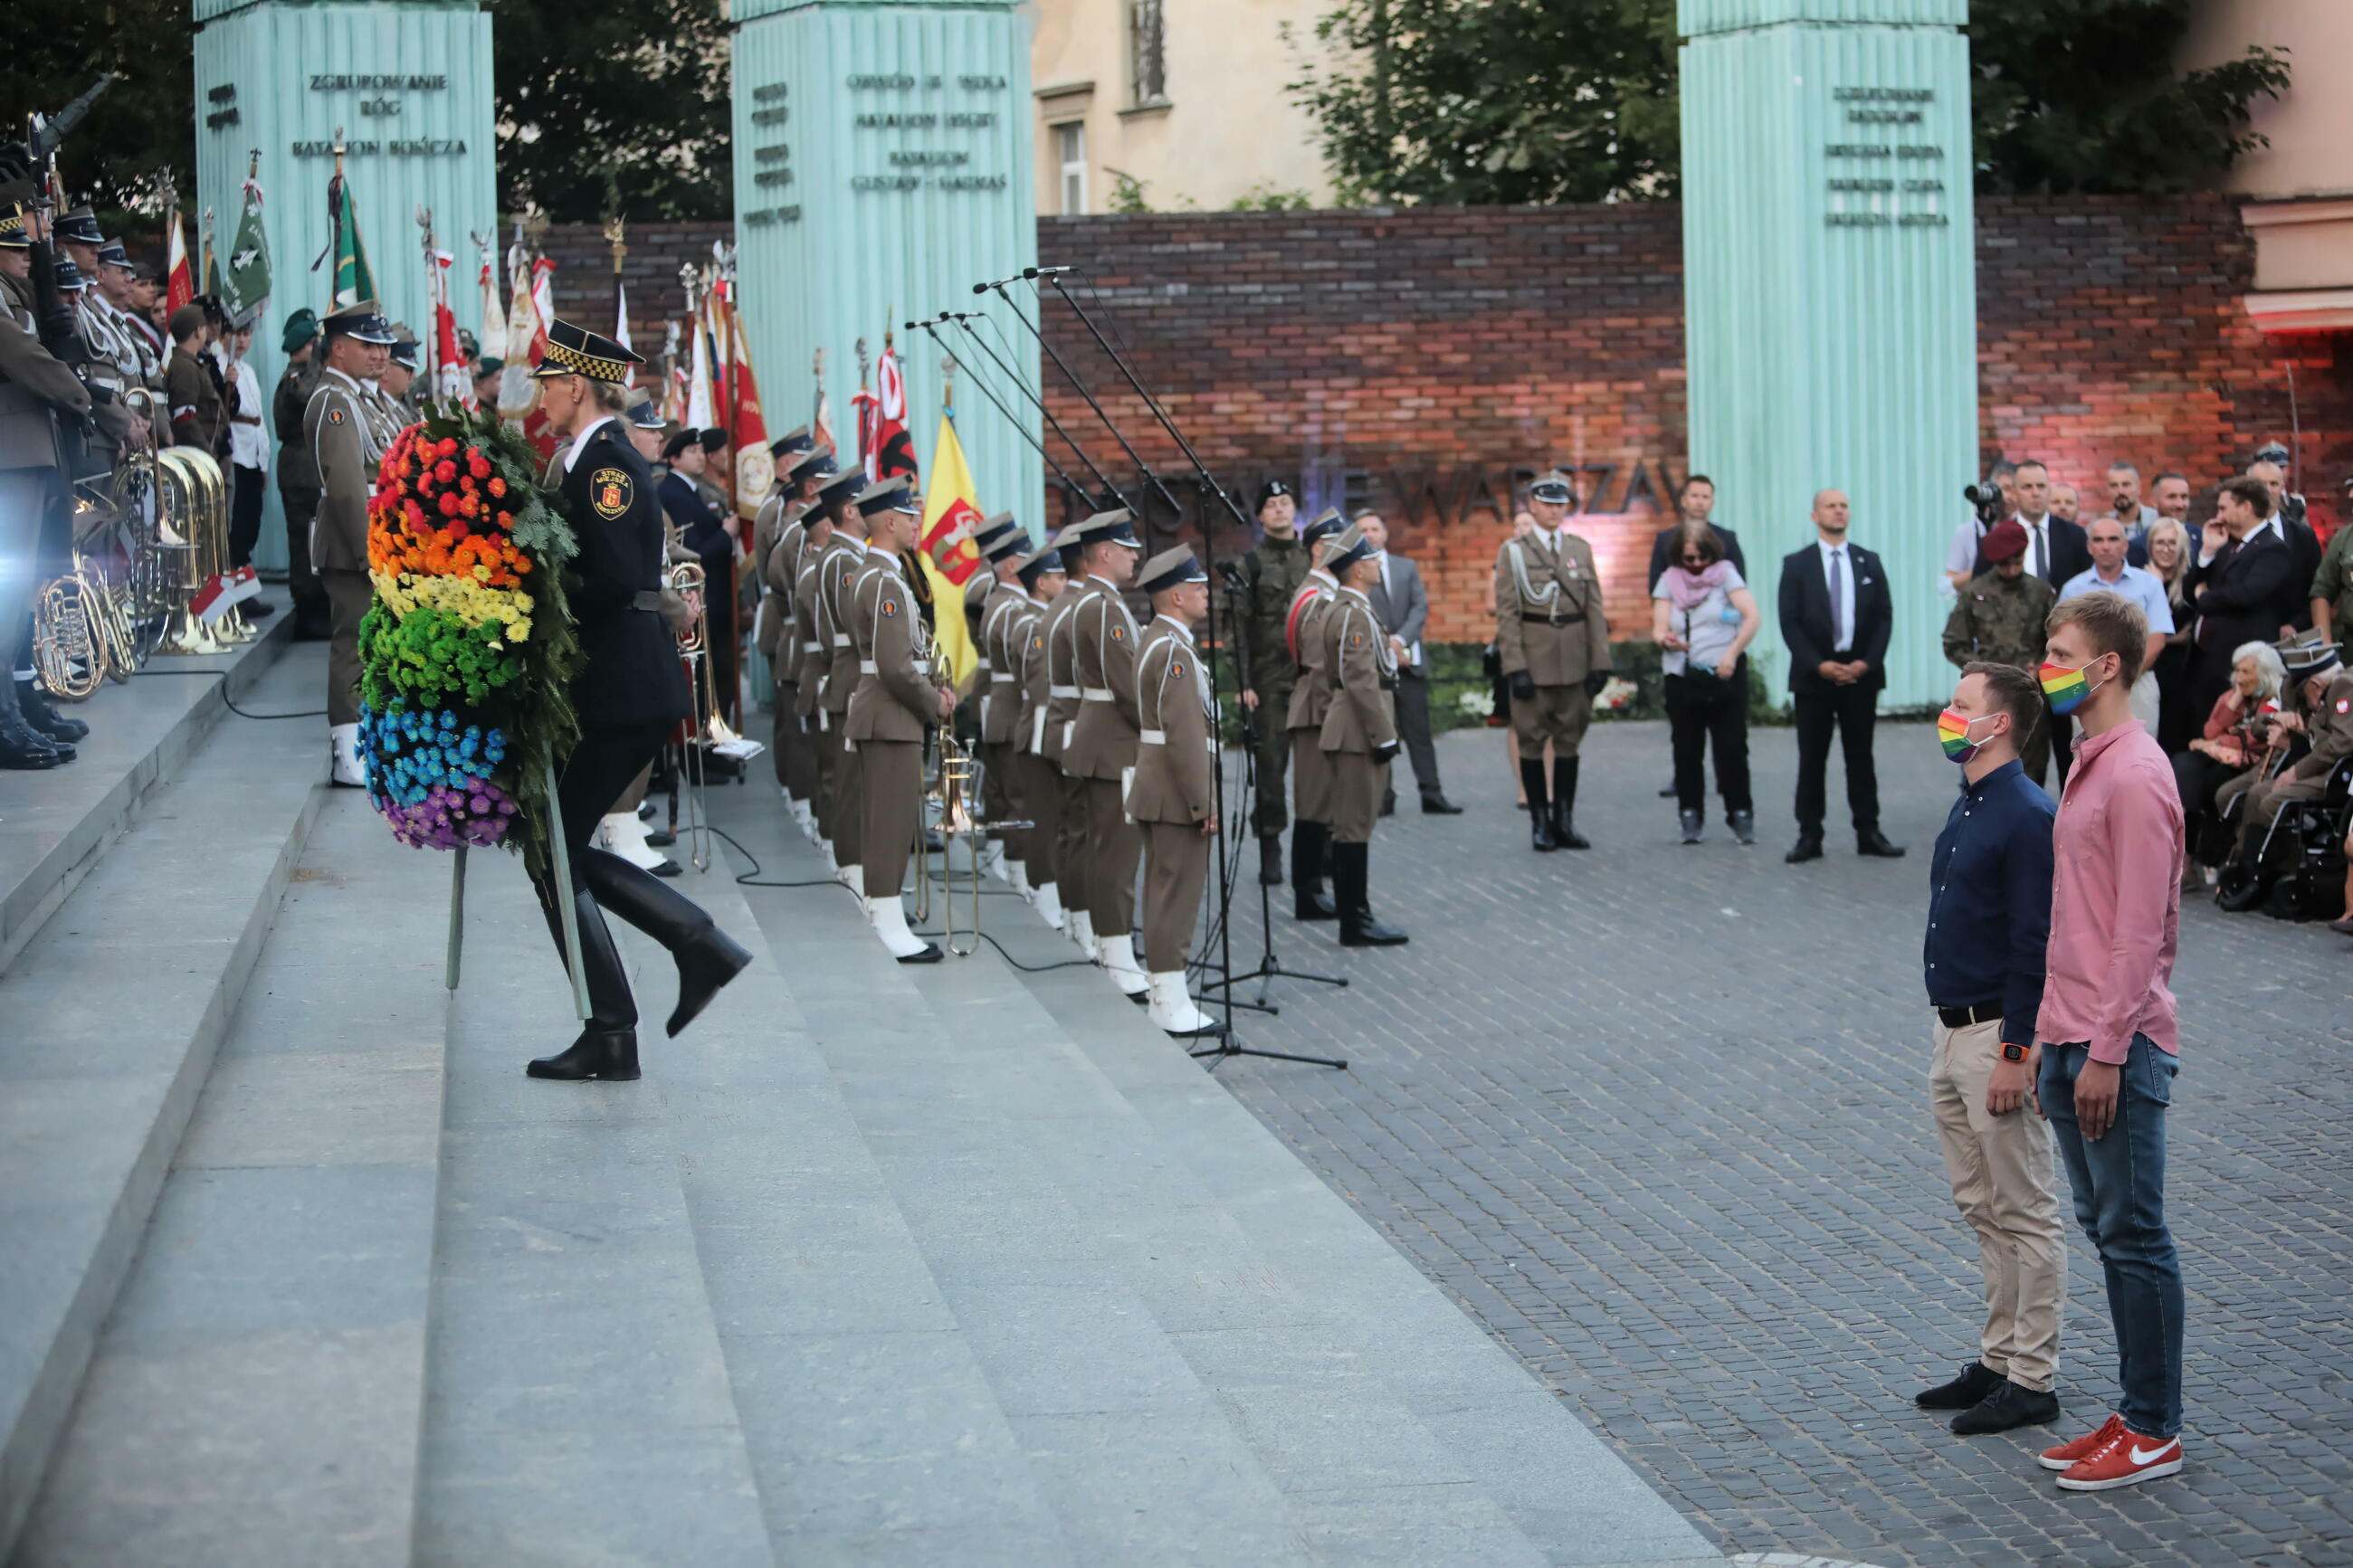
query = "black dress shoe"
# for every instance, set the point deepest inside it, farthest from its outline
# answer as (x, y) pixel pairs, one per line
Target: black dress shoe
(1871, 842)
(1668, 793)
(1438, 806)
(703, 968)
(601, 1052)
(260, 610)
(1313, 902)
(1976, 1381)
(310, 630)
(33, 707)
(661, 839)
(1807, 847)
(667, 870)
(2007, 1406)
(931, 955)
(1363, 929)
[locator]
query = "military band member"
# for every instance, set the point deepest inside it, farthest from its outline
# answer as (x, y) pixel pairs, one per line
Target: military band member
(630, 695)
(1070, 843)
(1046, 580)
(840, 567)
(348, 431)
(1311, 696)
(1359, 734)
(1101, 747)
(813, 623)
(1552, 641)
(1174, 795)
(1002, 545)
(895, 702)
(1272, 572)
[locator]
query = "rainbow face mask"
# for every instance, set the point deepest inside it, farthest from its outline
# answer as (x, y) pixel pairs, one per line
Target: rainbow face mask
(2066, 689)
(1953, 733)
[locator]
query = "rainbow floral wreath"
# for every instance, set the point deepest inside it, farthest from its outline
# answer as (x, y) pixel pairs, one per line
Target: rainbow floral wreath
(468, 654)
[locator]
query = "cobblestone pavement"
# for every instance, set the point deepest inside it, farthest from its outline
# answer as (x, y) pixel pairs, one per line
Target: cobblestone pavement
(1657, 1116)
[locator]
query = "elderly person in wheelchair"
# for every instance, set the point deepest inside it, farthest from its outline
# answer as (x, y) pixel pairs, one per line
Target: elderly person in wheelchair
(2302, 799)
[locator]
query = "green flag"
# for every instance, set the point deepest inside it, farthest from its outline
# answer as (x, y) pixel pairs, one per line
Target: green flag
(354, 280)
(244, 280)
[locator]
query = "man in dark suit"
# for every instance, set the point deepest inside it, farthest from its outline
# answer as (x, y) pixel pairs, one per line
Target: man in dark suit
(1696, 500)
(1836, 616)
(2056, 550)
(2288, 525)
(1402, 603)
(710, 532)
(2243, 574)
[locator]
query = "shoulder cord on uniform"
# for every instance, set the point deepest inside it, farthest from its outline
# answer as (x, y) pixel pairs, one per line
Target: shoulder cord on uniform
(1520, 573)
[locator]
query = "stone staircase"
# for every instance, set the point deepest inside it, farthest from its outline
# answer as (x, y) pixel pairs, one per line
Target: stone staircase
(958, 1265)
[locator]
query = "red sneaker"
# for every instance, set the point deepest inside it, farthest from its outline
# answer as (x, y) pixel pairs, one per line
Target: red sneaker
(2123, 1459)
(2065, 1455)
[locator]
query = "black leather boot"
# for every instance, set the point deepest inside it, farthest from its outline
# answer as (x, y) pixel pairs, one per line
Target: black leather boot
(1352, 870)
(1310, 900)
(22, 747)
(607, 1047)
(1269, 860)
(1564, 806)
(707, 957)
(33, 704)
(1532, 780)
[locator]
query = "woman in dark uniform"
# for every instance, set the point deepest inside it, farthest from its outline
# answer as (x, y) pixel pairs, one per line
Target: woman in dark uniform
(630, 696)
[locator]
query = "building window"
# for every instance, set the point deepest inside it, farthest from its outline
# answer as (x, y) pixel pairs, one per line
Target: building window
(1147, 57)
(1070, 154)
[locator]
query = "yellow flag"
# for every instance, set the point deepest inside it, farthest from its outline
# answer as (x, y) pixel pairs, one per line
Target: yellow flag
(951, 514)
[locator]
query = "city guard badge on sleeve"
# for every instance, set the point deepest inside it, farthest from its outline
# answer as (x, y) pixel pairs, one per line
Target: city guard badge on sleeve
(609, 492)
(890, 607)
(1118, 633)
(334, 416)
(1177, 670)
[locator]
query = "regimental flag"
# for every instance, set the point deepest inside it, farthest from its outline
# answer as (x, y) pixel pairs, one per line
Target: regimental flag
(621, 315)
(494, 334)
(701, 396)
(212, 259)
(863, 406)
(951, 513)
(245, 281)
(747, 427)
(821, 417)
(179, 277)
(354, 279)
(518, 394)
(894, 449)
(450, 377)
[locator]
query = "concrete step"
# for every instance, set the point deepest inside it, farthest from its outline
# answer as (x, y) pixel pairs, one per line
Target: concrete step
(114, 1007)
(578, 1406)
(256, 1399)
(1520, 1443)
(874, 1436)
(1140, 1459)
(55, 826)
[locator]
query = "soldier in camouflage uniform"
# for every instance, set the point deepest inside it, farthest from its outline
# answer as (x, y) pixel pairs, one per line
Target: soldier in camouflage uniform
(1999, 619)
(1271, 574)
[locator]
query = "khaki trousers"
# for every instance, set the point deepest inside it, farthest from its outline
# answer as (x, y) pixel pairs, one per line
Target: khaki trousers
(1070, 852)
(891, 812)
(1358, 783)
(1176, 869)
(827, 755)
(349, 593)
(1558, 714)
(1114, 846)
(849, 794)
(996, 795)
(1311, 777)
(1038, 795)
(2000, 1171)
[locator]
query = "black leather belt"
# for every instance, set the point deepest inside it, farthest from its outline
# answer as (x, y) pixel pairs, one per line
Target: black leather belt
(1975, 1013)
(646, 599)
(1388, 683)
(1555, 620)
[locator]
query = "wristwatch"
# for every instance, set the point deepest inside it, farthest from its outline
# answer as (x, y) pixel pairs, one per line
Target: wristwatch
(2011, 1051)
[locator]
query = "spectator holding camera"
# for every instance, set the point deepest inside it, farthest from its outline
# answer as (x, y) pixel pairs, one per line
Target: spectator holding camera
(1704, 619)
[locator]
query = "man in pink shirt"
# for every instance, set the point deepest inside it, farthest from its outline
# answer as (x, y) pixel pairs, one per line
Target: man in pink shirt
(2110, 1047)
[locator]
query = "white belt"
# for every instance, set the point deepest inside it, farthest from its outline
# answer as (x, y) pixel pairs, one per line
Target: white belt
(1154, 737)
(1001, 675)
(1061, 691)
(1094, 693)
(982, 664)
(812, 647)
(841, 639)
(866, 667)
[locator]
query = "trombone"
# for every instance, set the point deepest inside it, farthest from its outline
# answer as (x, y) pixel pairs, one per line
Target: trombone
(954, 799)
(685, 578)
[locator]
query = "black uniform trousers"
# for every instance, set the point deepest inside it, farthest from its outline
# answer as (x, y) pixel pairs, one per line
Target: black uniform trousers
(301, 580)
(1852, 711)
(243, 512)
(1413, 728)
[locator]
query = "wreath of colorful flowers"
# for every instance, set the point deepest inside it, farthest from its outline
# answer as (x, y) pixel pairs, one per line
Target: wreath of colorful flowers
(467, 655)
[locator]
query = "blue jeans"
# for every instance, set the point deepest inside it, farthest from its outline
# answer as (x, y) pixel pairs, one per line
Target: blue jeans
(2119, 1184)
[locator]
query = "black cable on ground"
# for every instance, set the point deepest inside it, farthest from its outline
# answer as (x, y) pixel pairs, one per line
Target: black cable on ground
(749, 878)
(226, 700)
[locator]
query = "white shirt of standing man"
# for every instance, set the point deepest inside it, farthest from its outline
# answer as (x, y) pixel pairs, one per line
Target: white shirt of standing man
(1377, 534)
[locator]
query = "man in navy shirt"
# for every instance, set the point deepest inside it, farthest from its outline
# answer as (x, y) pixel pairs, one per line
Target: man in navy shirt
(1988, 921)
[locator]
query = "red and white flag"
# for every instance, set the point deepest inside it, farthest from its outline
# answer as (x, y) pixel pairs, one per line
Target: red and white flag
(179, 277)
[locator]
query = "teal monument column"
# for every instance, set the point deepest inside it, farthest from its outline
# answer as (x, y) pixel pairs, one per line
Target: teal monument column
(882, 169)
(408, 84)
(1831, 288)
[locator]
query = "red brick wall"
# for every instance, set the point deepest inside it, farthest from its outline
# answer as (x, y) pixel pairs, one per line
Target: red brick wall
(1423, 360)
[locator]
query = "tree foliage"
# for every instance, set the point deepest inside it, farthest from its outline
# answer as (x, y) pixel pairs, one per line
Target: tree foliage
(600, 104)
(145, 122)
(1554, 101)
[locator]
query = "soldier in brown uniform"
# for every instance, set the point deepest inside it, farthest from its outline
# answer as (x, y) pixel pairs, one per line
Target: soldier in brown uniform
(1061, 718)
(813, 623)
(298, 473)
(1552, 642)
(1173, 794)
(1311, 696)
(198, 417)
(1102, 742)
(895, 702)
(997, 687)
(1037, 783)
(839, 570)
(777, 534)
(348, 432)
(1359, 735)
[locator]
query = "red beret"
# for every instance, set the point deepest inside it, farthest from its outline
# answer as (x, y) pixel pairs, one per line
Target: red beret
(2002, 541)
